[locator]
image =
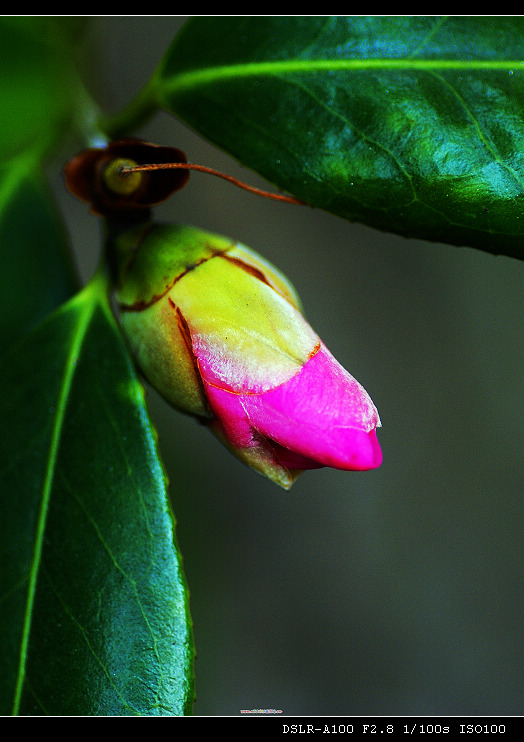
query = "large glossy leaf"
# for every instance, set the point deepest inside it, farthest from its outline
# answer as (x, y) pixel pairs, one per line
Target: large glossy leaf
(94, 617)
(410, 124)
(37, 270)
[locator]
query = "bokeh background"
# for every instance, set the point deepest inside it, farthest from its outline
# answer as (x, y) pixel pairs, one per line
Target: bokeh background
(398, 591)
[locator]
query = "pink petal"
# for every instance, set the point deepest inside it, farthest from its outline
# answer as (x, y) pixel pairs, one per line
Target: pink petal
(322, 415)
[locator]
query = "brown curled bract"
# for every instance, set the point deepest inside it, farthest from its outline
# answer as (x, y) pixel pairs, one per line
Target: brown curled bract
(86, 176)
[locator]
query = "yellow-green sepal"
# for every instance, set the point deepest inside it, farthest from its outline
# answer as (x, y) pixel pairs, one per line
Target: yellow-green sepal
(150, 258)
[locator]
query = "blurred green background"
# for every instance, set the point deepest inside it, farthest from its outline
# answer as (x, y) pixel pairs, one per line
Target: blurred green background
(398, 591)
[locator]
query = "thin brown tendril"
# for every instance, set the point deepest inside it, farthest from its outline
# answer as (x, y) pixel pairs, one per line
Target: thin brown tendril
(211, 171)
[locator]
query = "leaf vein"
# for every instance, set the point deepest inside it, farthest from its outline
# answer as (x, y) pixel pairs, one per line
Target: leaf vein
(207, 75)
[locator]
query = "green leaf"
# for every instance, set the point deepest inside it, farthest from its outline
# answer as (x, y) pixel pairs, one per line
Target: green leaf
(37, 270)
(94, 617)
(39, 86)
(409, 124)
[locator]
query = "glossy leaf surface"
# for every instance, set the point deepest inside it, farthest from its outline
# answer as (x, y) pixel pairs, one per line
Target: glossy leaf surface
(409, 124)
(94, 616)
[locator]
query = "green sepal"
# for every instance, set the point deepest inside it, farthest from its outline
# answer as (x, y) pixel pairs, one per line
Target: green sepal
(150, 258)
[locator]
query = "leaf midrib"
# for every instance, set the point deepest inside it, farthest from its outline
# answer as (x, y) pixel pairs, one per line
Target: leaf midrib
(87, 305)
(206, 75)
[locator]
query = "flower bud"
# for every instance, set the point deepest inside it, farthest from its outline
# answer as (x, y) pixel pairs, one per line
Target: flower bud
(218, 331)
